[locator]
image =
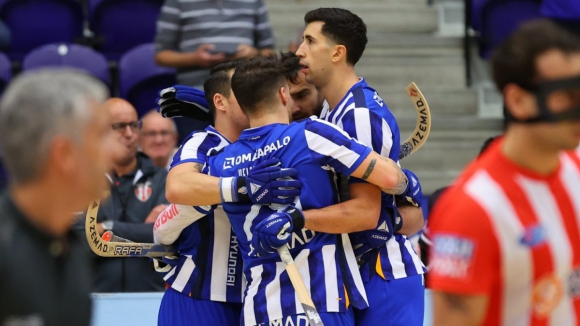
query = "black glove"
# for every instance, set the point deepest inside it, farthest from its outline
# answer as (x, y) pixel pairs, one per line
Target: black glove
(183, 101)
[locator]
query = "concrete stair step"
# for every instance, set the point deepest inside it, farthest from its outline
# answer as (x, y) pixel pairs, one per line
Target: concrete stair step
(439, 45)
(442, 101)
(399, 71)
(381, 17)
(452, 144)
(449, 127)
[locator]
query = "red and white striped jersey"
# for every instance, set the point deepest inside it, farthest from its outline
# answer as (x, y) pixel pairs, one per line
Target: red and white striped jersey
(513, 235)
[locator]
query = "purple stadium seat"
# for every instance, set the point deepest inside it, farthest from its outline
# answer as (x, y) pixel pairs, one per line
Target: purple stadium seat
(502, 17)
(68, 55)
(140, 78)
(5, 72)
(123, 24)
(37, 22)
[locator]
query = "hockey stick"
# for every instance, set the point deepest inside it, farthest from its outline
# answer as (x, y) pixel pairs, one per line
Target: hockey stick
(118, 249)
(423, 124)
(301, 291)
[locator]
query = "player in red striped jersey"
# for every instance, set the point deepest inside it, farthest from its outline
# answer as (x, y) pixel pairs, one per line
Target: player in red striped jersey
(507, 234)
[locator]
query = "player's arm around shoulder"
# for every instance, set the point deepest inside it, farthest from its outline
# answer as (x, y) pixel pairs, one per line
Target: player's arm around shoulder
(382, 172)
(186, 185)
(330, 145)
(464, 260)
(359, 213)
(173, 219)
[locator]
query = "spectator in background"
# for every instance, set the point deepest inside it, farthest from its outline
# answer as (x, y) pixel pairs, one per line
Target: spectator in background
(195, 36)
(137, 197)
(158, 138)
(55, 139)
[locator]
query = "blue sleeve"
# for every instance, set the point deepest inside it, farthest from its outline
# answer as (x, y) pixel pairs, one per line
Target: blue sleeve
(328, 145)
(195, 149)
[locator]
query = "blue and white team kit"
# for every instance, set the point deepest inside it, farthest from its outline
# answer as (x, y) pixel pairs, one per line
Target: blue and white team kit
(206, 281)
(392, 272)
(326, 262)
(205, 284)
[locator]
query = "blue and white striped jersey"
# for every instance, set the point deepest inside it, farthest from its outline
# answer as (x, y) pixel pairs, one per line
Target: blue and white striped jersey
(210, 264)
(326, 262)
(363, 115)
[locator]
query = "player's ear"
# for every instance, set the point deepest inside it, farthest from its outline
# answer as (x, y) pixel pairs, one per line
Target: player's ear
(220, 102)
(519, 102)
(284, 95)
(338, 53)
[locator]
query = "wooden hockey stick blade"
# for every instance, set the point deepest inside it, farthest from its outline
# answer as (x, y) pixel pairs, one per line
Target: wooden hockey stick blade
(109, 236)
(301, 291)
(423, 124)
(118, 249)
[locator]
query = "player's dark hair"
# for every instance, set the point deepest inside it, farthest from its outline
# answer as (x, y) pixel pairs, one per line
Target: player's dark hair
(341, 27)
(515, 60)
(256, 82)
(218, 82)
(290, 65)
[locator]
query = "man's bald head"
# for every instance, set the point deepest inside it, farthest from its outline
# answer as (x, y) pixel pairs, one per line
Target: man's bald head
(126, 127)
(117, 106)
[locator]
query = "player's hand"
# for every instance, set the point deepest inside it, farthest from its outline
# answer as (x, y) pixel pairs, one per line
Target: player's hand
(266, 183)
(389, 223)
(413, 194)
(202, 57)
(245, 51)
(275, 231)
(183, 101)
(152, 217)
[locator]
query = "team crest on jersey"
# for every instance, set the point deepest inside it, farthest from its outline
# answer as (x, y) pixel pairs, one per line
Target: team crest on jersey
(378, 99)
(534, 236)
(452, 256)
(547, 294)
(143, 191)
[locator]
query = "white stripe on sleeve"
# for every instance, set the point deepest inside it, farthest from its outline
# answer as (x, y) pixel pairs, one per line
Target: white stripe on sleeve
(363, 127)
(191, 147)
(326, 147)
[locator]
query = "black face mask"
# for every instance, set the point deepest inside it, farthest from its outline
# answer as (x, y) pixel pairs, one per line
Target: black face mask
(549, 92)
